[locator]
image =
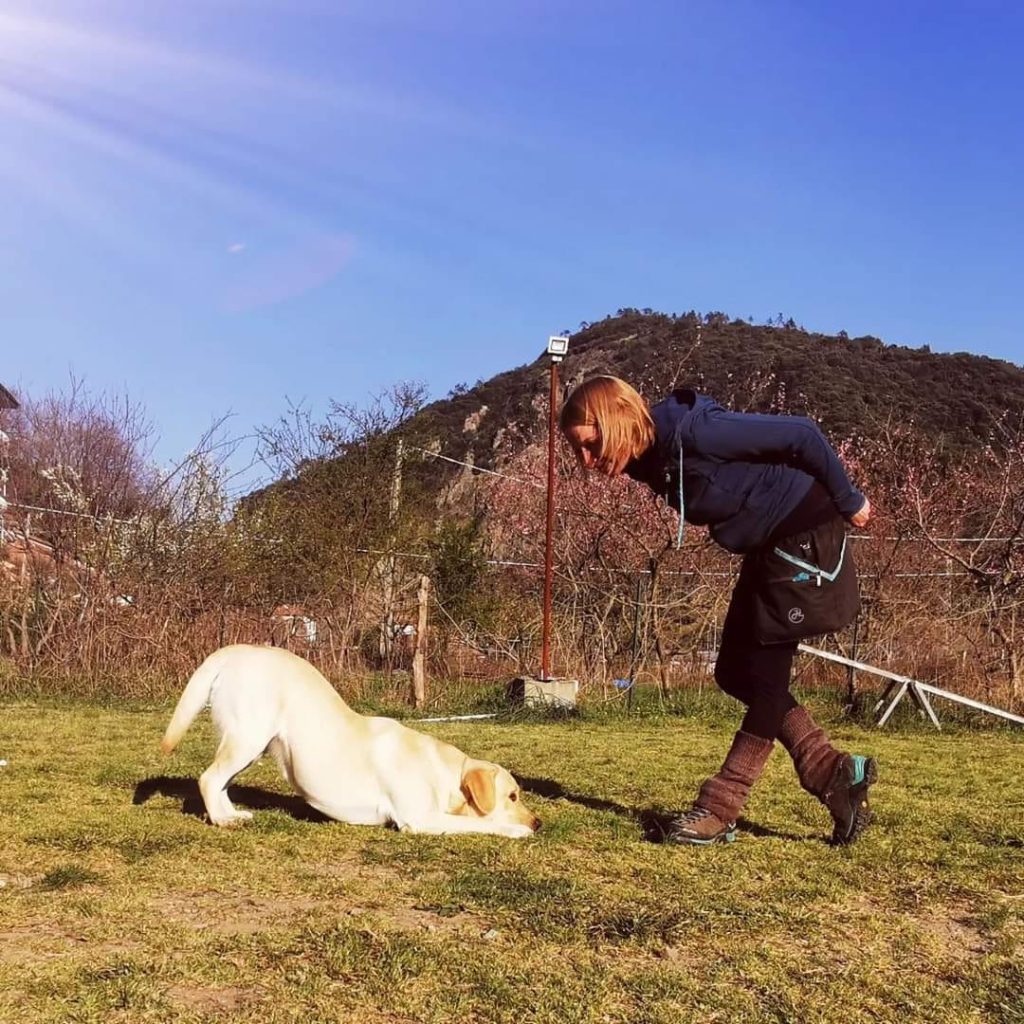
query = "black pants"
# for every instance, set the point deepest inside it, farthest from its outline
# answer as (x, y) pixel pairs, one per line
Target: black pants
(753, 673)
(758, 674)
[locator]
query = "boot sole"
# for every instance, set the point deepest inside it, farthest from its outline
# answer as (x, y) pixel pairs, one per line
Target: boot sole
(864, 815)
(725, 837)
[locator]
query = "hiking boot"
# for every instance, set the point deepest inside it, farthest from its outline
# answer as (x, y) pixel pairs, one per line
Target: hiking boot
(847, 797)
(699, 827)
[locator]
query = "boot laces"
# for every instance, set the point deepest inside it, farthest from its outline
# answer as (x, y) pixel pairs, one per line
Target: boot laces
(693, 815)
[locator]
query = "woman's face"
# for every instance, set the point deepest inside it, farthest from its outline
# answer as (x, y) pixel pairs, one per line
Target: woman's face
(585, 441)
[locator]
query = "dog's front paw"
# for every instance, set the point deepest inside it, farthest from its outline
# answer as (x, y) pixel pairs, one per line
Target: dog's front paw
(516, 831)
(231, 820)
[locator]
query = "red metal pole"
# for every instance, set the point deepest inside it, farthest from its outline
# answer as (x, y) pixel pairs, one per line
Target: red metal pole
(550, 530)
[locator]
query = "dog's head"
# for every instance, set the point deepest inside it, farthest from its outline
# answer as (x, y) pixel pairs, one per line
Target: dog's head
(492, 793)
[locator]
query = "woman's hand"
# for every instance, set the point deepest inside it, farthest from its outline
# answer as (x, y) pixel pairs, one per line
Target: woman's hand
(861, 517)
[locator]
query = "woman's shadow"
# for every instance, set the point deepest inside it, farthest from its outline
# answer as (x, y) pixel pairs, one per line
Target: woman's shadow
(187, 791)
(654, 824)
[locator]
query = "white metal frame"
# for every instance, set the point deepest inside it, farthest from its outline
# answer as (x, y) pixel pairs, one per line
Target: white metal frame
(918, 691)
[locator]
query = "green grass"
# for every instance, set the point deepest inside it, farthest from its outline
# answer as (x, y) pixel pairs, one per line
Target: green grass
(116, 910)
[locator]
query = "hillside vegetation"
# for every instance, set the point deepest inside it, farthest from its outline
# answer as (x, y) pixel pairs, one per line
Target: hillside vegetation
(852, 386)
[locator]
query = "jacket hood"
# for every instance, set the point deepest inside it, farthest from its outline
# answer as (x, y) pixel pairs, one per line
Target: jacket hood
(674, 417)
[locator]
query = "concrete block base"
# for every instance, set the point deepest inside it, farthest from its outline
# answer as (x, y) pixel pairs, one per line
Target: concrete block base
(534, 692)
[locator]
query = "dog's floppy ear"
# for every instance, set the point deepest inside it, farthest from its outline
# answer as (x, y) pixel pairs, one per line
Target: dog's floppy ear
(478, 787)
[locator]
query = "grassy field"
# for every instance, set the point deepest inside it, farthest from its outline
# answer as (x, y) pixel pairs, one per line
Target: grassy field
(117, 906)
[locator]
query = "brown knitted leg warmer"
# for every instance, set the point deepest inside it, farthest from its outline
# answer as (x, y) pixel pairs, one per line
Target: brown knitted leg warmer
(813, 755)
(725, 794)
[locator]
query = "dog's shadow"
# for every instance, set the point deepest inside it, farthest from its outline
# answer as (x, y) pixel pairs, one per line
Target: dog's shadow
(187, 791)
(654, 824)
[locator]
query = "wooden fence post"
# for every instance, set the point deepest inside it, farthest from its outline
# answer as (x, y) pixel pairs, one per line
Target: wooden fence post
(419, 675)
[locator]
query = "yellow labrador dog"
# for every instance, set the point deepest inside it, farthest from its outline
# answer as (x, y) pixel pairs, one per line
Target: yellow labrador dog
(356, 769)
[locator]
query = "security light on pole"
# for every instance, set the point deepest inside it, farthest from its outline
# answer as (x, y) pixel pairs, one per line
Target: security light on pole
(545, 689)
(558, 346)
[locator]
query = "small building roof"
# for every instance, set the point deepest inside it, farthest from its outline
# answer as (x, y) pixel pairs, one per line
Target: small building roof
(7, 400)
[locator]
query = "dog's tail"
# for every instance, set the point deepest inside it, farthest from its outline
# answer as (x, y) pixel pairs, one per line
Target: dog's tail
(193, 699)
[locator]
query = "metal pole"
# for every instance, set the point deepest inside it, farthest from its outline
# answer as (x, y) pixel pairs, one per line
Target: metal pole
(7, 401)
(851, 685)
(389, 562)
(636, 642)
(3, 485)
(550, 528)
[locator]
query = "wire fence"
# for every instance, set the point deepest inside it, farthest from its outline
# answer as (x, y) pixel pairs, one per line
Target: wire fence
(654, 623)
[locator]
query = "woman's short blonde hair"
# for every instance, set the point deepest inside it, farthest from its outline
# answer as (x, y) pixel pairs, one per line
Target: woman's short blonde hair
(623, 421)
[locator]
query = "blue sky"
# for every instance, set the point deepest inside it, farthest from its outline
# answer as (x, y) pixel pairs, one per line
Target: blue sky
(219, 206)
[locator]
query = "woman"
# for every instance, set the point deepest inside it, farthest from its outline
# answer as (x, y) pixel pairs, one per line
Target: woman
(762, 484)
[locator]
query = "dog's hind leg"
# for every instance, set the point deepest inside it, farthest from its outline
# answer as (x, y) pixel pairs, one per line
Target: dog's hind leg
(282, 756)
(234, 755)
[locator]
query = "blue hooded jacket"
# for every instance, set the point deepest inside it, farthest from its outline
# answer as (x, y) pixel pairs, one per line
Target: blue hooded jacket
(742, 473)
